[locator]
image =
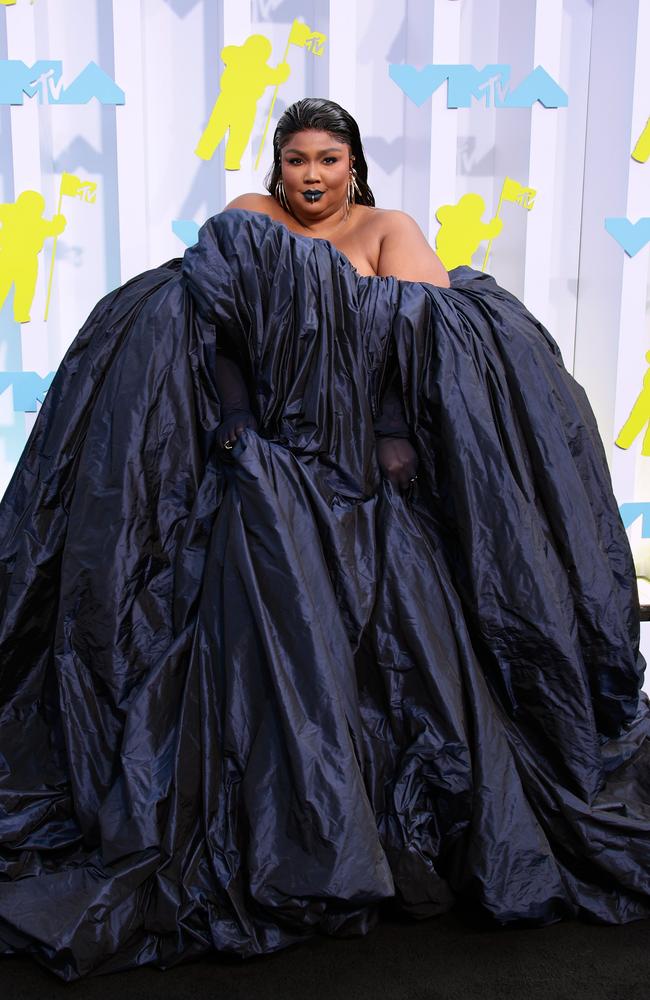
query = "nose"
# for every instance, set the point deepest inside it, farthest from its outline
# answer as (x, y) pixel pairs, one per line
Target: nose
(311, 174)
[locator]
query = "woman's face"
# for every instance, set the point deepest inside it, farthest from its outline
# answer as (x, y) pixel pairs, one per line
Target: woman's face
(315, 171)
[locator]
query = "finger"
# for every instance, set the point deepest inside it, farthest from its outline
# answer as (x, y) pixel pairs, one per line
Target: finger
(405, 483)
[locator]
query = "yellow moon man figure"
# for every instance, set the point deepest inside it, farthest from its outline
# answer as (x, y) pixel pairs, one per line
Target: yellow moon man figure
(461, 230)
(641, 151)
(23, 233)
(639, 418)
(243, 82)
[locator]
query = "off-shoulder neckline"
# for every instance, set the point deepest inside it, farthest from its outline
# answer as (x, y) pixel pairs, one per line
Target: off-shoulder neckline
(345, 260)
(310, 239)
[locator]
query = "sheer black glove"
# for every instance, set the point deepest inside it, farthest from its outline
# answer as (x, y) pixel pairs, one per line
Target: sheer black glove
(233, 425)
(236, 414)
(398, 461)
(396, 455)
(391, 419)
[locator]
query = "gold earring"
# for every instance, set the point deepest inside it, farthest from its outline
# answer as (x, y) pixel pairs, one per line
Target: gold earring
(281, 195)
(356, 190)
(352, 190)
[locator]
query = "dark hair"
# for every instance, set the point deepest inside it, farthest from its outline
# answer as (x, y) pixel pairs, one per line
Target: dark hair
(325, 116)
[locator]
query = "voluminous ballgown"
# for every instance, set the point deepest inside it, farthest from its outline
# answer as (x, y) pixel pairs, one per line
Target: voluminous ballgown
(246, 696)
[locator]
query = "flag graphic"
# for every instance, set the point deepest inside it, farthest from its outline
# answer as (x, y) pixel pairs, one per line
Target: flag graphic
(516, 192)
(73, 187)
(70, 186)
(301, 34)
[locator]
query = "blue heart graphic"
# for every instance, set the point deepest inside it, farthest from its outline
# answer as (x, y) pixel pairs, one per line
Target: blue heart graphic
(632, 236)
(186, 230)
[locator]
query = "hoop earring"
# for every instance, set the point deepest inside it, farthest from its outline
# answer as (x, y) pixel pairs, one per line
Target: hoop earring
(281, 196)
(353, 190)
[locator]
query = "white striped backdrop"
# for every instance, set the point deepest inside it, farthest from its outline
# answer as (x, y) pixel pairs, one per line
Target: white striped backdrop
(165, 55)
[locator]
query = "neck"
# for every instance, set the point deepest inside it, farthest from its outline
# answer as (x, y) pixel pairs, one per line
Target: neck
(325, 223)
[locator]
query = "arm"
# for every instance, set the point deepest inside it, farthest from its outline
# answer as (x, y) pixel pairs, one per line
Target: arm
(391, 420)
(278, 74)
(396, 455)
(404, 253)
(55, 227)
(236, 414)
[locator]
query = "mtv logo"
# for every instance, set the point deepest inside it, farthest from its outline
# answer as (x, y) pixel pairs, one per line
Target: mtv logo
(87, 192)
(491, 85)
(43, 80)
(29, 388)
(631, 512)
(316, 43)
(187, 230)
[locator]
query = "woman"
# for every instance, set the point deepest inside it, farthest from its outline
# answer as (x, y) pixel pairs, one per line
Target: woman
(319, 188)
(251, 690)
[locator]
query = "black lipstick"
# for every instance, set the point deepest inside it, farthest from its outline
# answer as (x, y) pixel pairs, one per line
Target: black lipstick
(312, 195)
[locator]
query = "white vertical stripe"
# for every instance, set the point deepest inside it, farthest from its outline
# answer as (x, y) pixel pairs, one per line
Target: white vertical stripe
(633, 340)
(130, 134)
(21, 44)
(605, 183)
(342, 54)
(542, 173)
(236, 29)
(443, 135)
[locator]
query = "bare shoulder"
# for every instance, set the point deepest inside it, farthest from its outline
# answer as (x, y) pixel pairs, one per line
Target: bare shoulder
(405, 251)
(253, 202)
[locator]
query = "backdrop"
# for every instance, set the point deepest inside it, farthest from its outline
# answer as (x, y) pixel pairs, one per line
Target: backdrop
(116, 112)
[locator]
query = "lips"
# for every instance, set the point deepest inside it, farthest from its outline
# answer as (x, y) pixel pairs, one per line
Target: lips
(312, 195)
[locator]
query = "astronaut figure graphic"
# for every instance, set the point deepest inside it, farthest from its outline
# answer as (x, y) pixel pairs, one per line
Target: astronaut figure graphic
(462, 229)
(243, 82)
(639, 418)
(22, 235)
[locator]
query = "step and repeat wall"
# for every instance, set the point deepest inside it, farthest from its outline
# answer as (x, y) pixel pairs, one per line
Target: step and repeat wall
(514, 131)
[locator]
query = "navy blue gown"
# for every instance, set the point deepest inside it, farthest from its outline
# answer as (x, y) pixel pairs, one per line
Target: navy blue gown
(247, 696)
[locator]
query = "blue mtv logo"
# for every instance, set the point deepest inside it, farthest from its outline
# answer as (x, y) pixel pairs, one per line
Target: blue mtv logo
(631, 512)
(187, 230)
(29, 388)
(43, 81)
(491, 85)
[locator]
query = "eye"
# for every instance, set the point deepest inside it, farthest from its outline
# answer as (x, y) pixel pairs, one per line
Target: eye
(294, 161)
(331, 159)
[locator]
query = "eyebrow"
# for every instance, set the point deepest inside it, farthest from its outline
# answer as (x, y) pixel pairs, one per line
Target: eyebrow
(330, 149)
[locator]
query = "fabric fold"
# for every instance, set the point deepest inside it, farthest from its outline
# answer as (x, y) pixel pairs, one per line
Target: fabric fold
(247, 696)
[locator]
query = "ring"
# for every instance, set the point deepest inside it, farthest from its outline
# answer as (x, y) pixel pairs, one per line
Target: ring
(228, 445)
(412, 479)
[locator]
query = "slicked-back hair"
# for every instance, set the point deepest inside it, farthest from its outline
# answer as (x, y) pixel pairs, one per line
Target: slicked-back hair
(324, 116)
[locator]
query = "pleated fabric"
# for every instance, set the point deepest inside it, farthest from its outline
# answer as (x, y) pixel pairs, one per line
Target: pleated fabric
(246, 697)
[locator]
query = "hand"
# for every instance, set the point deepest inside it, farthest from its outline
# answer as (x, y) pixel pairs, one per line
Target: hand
(398, 460)
(233, 425)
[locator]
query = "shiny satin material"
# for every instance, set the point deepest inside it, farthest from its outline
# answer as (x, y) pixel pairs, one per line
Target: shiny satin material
(246, 696)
